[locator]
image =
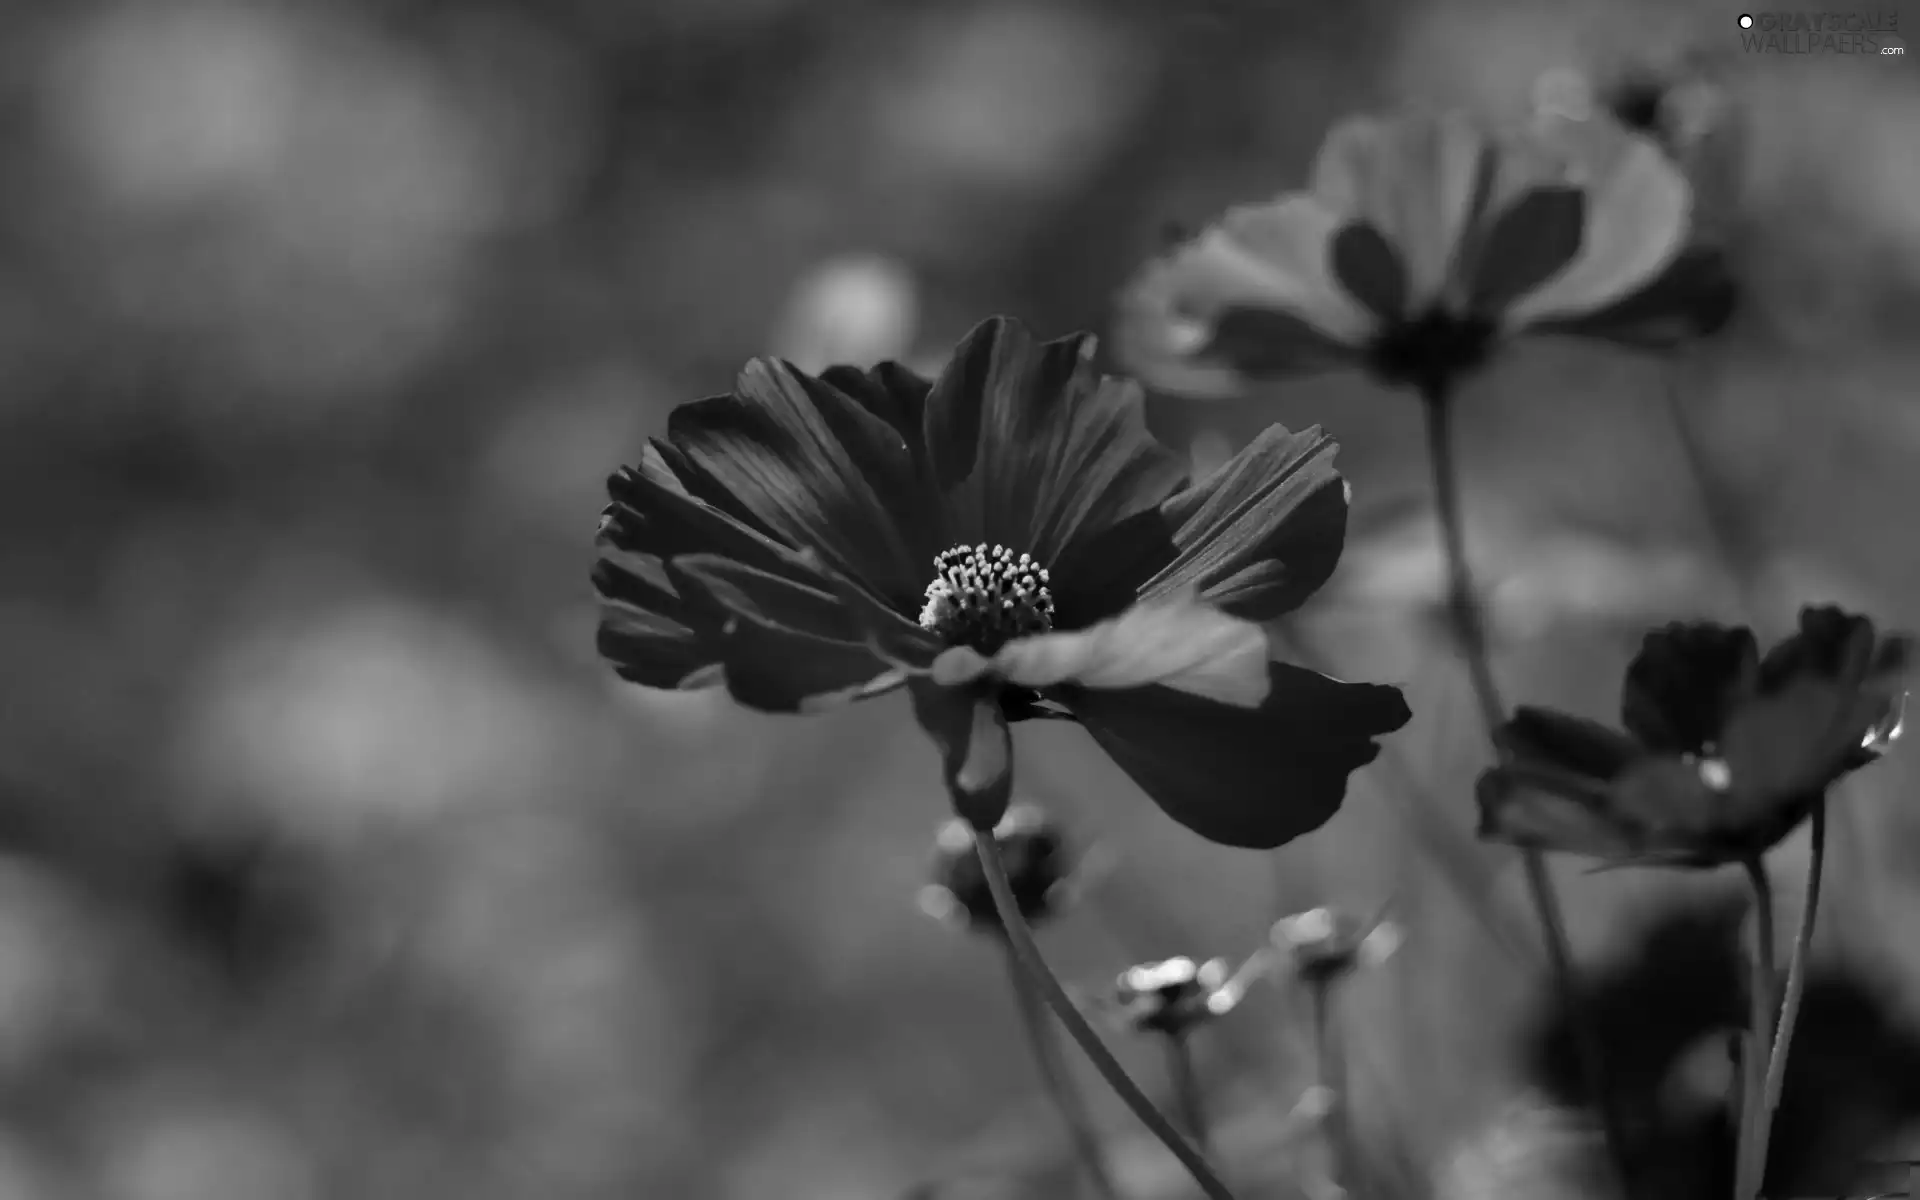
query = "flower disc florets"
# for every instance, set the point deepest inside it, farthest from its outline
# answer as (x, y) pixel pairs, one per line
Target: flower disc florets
(985, 596)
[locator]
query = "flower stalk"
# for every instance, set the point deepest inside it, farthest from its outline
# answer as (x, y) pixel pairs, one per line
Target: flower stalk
(1027, 955)
(1467, 619)
(1187, 1099)
(1749, 1168)
(1058, 1080)
(1330, 1075)
(1796, 981)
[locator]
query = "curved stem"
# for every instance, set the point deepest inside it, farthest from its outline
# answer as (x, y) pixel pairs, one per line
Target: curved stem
(1796, 985)
(1330, 1073)
(1027, 954)
(1186, 1089)
(1058, 1080)
(1463, 608)
(1724, 528)
(1748, 1170)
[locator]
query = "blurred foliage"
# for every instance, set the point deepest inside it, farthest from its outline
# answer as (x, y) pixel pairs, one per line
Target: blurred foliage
(335, 863)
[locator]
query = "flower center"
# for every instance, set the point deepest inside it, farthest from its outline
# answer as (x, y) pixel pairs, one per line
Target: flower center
(985, 596)
(1432, 349)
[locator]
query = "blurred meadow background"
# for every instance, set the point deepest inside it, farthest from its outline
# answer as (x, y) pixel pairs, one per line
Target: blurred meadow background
(333, 863)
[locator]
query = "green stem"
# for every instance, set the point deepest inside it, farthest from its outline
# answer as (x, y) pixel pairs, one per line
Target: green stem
(1028, 956)
(1330, 1073)
(1058, 1080)
(1187, 1099)
(1463, 609)
(1748, 1170)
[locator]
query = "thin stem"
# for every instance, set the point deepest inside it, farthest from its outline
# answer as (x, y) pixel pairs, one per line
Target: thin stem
(1796, 985)
(1020, 940)
(1749, 1171)
(1463, 608)
(1058, 1080)
(1330, 1073)
(1724, 527)
(1186, 1089)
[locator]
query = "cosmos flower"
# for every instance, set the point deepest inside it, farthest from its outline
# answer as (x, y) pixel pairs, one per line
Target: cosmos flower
(1035, 857)
(1007, 542)
(1422, 244)
(1725, 752)
(1323, 944)
(1175, 995)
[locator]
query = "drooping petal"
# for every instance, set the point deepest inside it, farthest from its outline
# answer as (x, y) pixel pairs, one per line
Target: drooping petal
(1416, 179)
(1694, 297)
(1268, 267)
(1262, 533)
(1685, 682)
(1255, 778)
(811, 468)
(1638, 207)
(1033, 449)
(1177, 643)
(786, 645)
(1543, 738)
(1542, 808)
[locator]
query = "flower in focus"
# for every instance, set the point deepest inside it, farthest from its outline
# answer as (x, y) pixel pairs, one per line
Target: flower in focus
(1173, 996)
(1421, 243)
(1323, 944)
(1035, 856)
(1007, 542)
(1724, 753)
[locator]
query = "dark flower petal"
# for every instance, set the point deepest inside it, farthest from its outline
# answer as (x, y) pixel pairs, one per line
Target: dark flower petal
(1543, 739)
(1262, 343)
(786, 645)
(1367, 265)
(1546, 808)
(811, 468)
(892, 392)
(1262, 533)
(650, 633)
(1694, 297)
(1831, 643)
(1032, 450)
(1797, 739)
(1254, 778)
(1684, 682)
(1687, 821)
(1529, 242)
(898, 641)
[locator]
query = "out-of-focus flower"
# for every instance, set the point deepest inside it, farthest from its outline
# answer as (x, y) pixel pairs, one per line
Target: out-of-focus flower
(1323, 944)
(1421, 244)
(1173, 996)
(1725, 752)
(779, 540)
(1034, 854)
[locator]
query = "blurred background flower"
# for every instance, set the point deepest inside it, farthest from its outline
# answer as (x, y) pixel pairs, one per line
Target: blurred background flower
(320, 329)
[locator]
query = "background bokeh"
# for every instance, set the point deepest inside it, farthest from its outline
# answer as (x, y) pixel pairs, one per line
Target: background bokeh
(337, 866)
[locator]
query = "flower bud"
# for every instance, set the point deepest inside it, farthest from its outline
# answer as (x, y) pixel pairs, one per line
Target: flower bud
(1324, 944)
(1173, 996)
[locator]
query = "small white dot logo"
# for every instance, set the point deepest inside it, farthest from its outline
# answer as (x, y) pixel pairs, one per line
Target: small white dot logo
(1746, 21)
